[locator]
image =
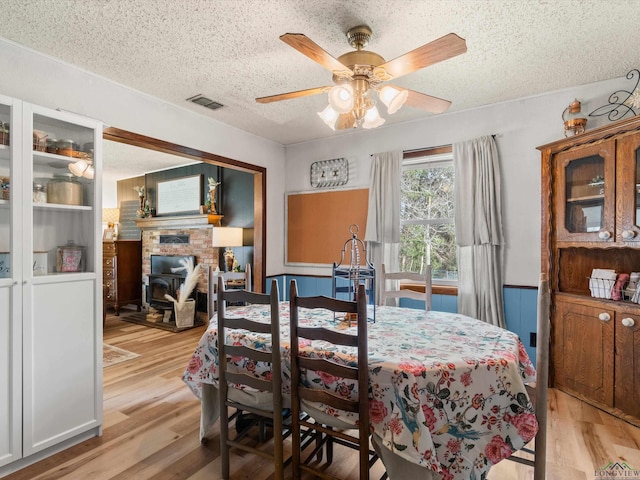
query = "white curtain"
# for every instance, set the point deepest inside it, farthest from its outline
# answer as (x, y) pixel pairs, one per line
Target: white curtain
(479, 234)
(383, 217)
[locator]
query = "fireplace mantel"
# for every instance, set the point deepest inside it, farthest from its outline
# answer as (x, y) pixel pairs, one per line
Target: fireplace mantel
(182, 221)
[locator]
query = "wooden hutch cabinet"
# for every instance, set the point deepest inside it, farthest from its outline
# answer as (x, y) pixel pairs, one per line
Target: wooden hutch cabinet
(591, 220)
(122, 273)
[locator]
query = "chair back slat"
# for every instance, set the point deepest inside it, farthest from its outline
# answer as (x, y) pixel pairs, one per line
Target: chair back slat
(320, 396)
(246, 352)
(241, 323)
(322, 365)
(421, 280)
(328, 303)
(331, 336)
(249, 380)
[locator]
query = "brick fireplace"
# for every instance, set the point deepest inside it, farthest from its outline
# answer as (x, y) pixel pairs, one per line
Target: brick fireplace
(186, 235)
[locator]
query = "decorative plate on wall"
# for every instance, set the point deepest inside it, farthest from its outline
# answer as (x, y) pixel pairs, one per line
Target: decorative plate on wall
(330, 173)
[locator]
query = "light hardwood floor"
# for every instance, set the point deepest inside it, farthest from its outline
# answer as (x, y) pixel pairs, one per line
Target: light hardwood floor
(151, 425)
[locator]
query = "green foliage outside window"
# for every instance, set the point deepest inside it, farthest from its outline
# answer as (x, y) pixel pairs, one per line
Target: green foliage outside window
(426, 216)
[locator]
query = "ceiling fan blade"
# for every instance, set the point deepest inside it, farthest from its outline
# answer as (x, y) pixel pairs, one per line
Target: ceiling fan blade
(426, 102)
(297, 94)
(441, 49)
(308, 47)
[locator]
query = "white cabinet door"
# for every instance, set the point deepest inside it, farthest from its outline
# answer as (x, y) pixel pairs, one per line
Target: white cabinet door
(62, 327)
(10, 283)
(61, 369)
(50, 299)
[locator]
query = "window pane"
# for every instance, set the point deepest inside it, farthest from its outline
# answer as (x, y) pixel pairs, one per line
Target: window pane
(436, 242)
(427, 193)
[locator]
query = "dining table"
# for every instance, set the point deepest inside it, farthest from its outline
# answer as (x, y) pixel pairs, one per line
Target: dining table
(447, 395)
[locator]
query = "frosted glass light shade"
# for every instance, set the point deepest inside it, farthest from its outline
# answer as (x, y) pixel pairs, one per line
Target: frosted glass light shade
(227, 237)
(89, 173)
(78, 168)
(393, 98)
(372, 118)
(341, 98)
(329, 116)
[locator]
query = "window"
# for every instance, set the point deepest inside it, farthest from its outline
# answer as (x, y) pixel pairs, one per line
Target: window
(427, 215)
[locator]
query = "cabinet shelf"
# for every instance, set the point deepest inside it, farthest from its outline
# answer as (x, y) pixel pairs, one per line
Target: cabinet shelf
(61, 207)
(52, 206)
(55, 160)
(586, 298)
(586, 199)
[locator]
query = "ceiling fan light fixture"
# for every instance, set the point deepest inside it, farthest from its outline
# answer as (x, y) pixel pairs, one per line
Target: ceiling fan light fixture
(341, 98)
(357, 73)
(393, 98)
(329, 116)
(81, 168)
(372, 118)
(89, 173)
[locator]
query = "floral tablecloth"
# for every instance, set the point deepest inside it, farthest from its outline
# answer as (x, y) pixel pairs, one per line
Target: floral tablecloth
(447, 391)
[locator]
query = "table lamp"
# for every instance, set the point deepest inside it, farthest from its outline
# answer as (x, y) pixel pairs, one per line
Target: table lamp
(111, 216)
(227, 237)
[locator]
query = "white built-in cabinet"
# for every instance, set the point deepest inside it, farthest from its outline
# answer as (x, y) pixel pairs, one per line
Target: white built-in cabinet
(50, 302)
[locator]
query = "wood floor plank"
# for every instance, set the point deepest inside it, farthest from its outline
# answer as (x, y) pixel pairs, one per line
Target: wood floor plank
(151, 427)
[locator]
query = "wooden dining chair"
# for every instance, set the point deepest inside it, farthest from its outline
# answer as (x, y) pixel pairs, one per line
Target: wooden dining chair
(421, 280)
(538, 392)
(212, 284)
(306, 395)
(240, 278)
(265, 400)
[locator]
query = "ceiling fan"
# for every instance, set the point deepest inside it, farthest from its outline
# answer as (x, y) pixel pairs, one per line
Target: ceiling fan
(359, 73)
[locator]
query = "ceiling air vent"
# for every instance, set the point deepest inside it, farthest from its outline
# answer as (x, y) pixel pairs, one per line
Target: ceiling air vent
(205, 102)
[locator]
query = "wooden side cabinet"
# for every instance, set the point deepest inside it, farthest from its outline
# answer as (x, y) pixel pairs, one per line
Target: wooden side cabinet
(591, 221)
(122, 273)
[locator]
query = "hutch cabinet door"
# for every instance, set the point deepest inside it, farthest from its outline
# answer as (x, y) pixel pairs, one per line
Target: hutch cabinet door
(583, 349)
(628, 188)
(627, 391)
(585, 193)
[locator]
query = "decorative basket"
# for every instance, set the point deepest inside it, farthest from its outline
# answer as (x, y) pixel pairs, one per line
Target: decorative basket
(601, 287)
(185, 313)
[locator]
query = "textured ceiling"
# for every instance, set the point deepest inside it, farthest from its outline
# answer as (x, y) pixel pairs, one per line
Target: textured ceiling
(229, 51)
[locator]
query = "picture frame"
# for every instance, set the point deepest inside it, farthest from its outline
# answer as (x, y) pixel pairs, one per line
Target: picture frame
(179, 196)
(109, 235)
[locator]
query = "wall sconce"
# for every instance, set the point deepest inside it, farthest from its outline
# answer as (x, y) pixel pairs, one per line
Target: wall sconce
(574, 120)
(82, 168)
(227, 237)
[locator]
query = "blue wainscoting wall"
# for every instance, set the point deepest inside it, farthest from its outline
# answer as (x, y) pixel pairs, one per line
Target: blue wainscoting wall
(520, 304)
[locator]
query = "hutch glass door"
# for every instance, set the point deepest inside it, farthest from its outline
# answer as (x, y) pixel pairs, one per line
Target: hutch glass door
(586, 194)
